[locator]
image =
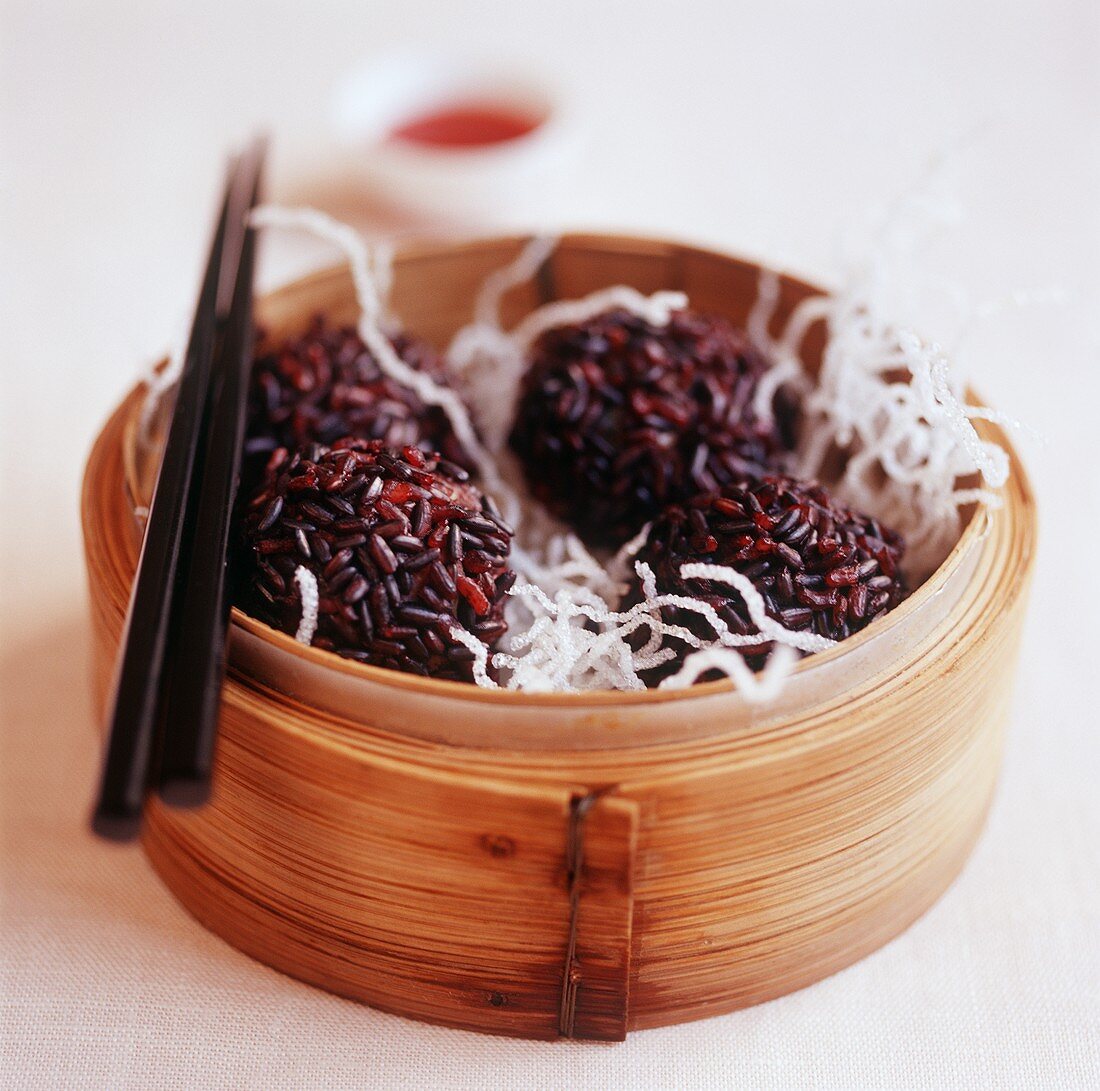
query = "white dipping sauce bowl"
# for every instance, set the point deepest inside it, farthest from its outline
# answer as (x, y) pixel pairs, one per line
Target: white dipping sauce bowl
(508, 183)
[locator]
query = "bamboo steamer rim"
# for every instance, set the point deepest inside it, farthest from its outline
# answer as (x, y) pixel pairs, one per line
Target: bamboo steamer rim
(974, 530)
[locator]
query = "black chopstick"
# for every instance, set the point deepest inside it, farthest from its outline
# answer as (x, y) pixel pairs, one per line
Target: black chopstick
(137, 693)
(197, 666)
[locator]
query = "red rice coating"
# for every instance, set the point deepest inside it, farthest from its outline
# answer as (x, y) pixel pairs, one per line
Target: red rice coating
(325, 385)
(618, 418)
(402, 547)
(819, 565)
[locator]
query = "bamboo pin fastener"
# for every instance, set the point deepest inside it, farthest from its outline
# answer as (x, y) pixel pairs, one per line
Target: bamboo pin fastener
(422, 846)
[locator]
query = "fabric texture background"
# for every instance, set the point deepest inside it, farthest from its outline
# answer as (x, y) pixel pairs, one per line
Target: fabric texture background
(780, 123)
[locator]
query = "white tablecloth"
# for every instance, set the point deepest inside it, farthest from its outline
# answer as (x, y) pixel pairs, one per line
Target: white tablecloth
(757, 127)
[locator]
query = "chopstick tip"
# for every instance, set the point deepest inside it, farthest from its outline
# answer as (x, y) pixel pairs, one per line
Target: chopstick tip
(116, 826)
(184, 792)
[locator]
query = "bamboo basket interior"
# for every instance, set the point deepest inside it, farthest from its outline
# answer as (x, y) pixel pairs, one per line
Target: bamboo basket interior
(579, 865)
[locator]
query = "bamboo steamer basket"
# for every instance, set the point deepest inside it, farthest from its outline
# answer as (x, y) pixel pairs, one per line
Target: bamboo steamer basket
(579, 865)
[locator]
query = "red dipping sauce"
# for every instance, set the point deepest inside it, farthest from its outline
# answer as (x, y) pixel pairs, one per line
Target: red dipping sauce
(466, 125)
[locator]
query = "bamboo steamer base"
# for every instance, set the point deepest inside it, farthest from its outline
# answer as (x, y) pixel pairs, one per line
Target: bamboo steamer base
(434, 851)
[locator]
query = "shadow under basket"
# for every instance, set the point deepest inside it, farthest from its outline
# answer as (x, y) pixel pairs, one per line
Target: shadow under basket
(580, 865)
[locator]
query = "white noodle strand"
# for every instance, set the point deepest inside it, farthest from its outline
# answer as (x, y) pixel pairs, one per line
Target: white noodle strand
(756, 688)
(481, 656)
(754, 603)
(655, 309)
(497, 284)
(311, 602)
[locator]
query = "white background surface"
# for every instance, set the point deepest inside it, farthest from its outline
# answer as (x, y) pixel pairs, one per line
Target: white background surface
(761, 128)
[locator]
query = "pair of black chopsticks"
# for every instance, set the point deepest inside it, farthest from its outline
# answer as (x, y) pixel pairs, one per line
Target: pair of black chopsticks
(171, 664)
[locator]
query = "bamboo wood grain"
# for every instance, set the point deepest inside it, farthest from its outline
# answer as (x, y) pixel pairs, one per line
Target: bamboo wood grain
(729, 859)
